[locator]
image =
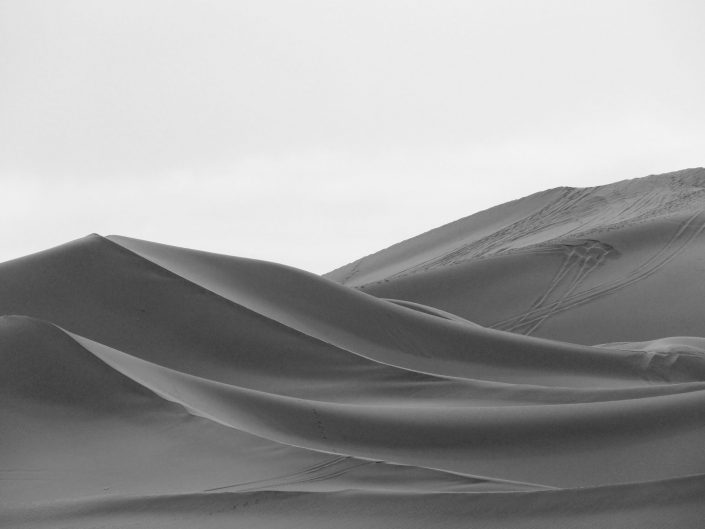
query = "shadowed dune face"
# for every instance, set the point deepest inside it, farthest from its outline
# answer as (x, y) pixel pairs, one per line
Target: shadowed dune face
(152, 386)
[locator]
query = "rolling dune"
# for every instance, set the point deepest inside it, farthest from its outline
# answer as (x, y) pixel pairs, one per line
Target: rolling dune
(540, 364)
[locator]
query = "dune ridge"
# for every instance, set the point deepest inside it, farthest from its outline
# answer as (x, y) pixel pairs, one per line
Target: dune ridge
(148, 385)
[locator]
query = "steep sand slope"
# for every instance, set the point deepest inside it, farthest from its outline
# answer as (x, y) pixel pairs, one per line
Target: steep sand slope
(620, 262)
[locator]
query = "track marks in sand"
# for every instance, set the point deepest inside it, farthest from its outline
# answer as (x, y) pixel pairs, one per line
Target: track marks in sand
(546, 217)
(531, 319)
(329, 469)
(562, 212)
(579, 261)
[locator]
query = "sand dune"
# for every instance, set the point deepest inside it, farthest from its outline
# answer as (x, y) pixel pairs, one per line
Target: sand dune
(145, 385)
(569, 264)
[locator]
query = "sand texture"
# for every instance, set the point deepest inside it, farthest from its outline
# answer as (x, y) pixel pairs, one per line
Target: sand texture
(537, 365)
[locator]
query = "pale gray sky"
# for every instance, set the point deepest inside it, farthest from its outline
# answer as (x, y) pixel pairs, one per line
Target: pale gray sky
(315, 132)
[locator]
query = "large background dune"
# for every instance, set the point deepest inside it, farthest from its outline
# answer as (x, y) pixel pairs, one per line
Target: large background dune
(620, 262)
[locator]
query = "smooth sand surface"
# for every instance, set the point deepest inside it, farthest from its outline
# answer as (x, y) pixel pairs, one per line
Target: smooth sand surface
(145, 385)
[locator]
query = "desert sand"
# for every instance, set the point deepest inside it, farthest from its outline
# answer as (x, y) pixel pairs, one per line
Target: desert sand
(538, 364)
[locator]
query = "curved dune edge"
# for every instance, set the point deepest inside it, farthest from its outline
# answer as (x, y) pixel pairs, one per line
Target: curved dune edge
(57, 385)
(512, 392)
(560, 445)
(389, 334)
(452, 439)
(98, 290)
(564, 437)
(426, 309)
(652, 505)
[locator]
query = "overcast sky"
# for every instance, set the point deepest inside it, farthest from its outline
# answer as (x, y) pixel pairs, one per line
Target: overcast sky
(315, 132)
